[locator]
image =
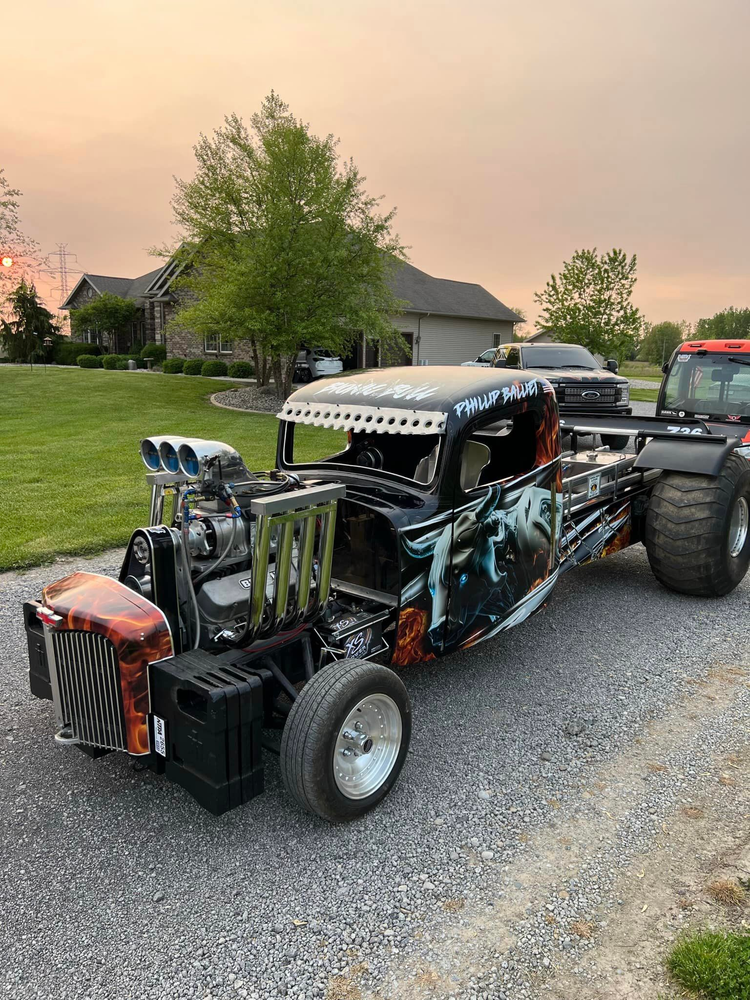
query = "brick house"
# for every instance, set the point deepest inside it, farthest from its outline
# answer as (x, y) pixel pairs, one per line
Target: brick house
(444, 321)
(150, 291)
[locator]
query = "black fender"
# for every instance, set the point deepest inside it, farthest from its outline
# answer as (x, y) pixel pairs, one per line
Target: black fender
(700, 455)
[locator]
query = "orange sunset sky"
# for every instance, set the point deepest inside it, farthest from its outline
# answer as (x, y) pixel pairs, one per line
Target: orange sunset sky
(507, 134)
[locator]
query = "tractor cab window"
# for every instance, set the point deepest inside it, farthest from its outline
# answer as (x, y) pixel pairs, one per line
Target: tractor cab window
(717, 384)
(513, 358)
(410, 456)
(497, 450)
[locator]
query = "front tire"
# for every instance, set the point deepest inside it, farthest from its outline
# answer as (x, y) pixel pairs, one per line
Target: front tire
(698, 530)
(346, 739)
(616, 442)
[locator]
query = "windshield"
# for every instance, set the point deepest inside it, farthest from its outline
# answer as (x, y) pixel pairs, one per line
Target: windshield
(715, 384)
(564, 356)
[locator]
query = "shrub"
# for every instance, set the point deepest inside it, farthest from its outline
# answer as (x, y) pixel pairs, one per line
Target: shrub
(193, 367)
(241, 369)
(4, 361)
(173, 366)
(109, 361)
(67, 352)
(211, 369)
(89, 361)
(156, 351)
(122, 364)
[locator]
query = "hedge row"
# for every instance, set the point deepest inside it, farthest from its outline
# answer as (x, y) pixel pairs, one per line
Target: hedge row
(173, 366)
(196, 366)
(241, 369)
(158, 352)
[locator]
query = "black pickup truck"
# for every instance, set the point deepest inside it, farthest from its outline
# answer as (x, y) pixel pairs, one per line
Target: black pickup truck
(581, 384)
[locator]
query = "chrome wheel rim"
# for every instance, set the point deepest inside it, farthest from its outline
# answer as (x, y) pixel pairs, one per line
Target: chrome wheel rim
(367, 746)
(738, 527)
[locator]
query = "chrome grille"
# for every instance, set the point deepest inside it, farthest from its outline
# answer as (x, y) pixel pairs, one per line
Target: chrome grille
(88, 688)
(574, 394)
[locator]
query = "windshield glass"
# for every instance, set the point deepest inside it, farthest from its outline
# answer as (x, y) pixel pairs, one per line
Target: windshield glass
(713, 384)
(564, 356)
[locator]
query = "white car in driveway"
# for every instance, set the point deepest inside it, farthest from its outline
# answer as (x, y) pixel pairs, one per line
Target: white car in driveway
(484, 360)
(316, 362)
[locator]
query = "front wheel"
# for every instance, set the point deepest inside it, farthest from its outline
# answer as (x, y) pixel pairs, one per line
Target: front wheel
(346, 739)
(616, 442)
(698, 530)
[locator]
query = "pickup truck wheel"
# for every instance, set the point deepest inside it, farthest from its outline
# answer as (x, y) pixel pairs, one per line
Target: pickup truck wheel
(698, 530)
(615, 441)
(346, 738)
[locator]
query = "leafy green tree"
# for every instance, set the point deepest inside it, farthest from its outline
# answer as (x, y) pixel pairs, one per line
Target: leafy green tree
(284, 246)
(660, 339)
(23, 336)
(729, 324)
(108, 314)
(589, 303)
(519, 329)
(15, 247)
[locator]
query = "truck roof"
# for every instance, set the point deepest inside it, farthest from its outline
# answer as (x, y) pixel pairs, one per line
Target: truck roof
(718, 346)
(410, 400)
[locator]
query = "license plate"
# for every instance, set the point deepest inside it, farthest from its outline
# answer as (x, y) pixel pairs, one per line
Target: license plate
(160, 736)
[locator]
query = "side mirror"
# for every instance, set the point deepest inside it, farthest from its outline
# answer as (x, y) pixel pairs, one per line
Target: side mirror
(612, 366)
(665, 367)
(500, 363)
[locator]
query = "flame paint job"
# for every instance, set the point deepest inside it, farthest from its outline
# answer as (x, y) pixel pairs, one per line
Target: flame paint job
(594, 534)
(137, 628)
(412, 638)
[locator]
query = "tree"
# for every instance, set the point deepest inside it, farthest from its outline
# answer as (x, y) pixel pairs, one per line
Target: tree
(660, 340)
(518, 328)
(15, 248)
(729, 324)
(23, 337)
(589, 303)
(283, 245)
(108, 314)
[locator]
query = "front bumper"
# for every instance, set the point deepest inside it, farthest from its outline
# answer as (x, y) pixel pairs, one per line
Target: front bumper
(574, 409)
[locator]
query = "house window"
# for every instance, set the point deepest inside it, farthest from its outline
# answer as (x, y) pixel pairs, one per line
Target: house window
(497, 339)
(214, 343)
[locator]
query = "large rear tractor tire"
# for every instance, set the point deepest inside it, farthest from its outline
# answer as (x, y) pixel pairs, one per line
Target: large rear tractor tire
(698, 530)
(346, 738)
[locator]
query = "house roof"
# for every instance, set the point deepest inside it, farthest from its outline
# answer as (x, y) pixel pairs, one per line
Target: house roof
(420, 291)
(426, 294)
(537, 335)
(126, 288)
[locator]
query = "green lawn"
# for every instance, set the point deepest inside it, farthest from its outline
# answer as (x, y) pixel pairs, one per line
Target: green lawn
(71, 477)
(644, 395)
(640, 369)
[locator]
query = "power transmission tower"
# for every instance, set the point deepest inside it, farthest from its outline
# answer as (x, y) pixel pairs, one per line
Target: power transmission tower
(61, 264)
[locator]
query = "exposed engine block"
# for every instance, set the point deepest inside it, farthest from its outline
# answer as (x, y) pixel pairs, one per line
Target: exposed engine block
(246, 555)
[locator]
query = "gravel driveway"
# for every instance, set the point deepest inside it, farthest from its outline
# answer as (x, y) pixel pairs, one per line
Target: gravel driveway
(116, 884)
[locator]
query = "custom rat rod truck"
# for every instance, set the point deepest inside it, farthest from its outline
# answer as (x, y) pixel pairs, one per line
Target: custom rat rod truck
(409, 516)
